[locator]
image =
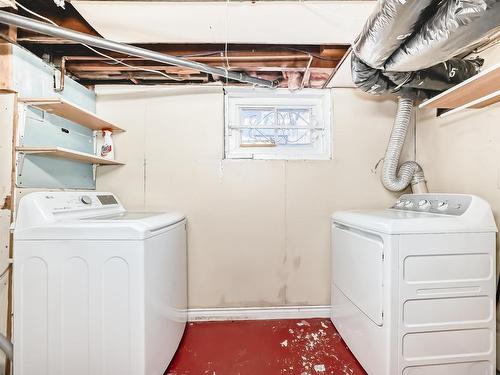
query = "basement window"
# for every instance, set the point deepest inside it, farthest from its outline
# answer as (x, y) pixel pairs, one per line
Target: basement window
(277, 124)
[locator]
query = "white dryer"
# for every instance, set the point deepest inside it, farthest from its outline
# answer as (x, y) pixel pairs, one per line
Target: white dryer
(413, 286)
(97, 290)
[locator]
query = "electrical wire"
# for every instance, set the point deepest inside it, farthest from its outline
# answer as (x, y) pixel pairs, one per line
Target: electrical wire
(35, 14)
(227, 35)
(98, 52)
(226, 47)
(133, 66)
(225, 52)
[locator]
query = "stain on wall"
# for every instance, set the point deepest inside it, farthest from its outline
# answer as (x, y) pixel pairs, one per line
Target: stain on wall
(259, 230)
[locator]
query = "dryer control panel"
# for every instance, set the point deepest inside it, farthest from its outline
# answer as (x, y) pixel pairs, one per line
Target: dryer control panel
(442, 204)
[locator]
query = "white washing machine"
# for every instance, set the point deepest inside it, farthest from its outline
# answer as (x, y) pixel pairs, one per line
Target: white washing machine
(414, 285)
(97, 290)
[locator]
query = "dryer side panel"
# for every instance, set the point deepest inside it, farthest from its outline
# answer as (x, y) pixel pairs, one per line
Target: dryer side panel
(357, 262)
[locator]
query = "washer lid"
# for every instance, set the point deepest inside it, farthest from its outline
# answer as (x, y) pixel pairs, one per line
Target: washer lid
(85, 215)
(476, 216)
(122, 226)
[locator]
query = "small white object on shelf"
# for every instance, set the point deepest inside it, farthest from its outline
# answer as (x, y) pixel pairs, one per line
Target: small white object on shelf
(107, 148)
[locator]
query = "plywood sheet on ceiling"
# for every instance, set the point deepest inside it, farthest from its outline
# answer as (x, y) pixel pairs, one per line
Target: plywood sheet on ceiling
(342, 76)
(325, 22)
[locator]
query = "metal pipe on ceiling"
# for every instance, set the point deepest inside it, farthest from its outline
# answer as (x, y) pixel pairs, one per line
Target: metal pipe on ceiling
(127, 49)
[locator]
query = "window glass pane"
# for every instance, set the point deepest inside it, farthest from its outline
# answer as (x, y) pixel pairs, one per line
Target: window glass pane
(294, 117)
(258, 117)
(299, 137)
(278, 124)
(275, 126)
(275, 136)
(255, 136)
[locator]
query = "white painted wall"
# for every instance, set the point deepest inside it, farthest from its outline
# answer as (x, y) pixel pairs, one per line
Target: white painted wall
(461, 153)
(258, 230)
(288, 22)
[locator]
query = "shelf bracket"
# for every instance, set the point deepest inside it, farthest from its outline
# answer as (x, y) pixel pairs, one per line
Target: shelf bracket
(62, 73)
(20, 163)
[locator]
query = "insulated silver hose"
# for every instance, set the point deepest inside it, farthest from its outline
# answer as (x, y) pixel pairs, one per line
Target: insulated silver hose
(410, 171)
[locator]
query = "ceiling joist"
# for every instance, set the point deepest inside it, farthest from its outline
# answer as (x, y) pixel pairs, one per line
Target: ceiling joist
(315, 63)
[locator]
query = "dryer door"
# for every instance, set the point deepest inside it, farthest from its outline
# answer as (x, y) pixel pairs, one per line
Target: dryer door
(357, 258)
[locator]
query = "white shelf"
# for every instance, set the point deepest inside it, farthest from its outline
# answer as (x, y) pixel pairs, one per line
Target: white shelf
(64, 153)
(72, 112)
(478, 91)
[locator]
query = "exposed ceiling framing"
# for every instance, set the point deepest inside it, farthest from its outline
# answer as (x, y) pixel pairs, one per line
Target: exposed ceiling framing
(311, 65)
(194, 1)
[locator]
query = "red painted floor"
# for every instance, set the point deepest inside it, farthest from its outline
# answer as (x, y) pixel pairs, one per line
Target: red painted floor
(265, 347)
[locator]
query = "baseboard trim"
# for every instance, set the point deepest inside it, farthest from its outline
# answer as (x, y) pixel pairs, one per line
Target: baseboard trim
(258, 313)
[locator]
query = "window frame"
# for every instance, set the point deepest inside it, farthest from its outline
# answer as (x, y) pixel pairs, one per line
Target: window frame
(318, 100)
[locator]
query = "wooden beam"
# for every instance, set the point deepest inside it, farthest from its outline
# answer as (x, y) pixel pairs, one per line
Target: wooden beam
(209, 51)
(263, 60)
(332, 52)
(231, 57)
(6, 58)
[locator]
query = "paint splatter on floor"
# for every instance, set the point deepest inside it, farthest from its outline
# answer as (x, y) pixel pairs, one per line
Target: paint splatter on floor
(267, 347)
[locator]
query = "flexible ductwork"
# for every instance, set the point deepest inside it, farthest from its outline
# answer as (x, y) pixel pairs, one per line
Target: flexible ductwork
(409, 172)
(393, 22)
(453, 29)
(412, 44)
(421, 84)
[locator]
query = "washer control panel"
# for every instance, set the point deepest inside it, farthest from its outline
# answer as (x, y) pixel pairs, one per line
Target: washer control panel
(43, 207)
(66, 201)
(443, 204)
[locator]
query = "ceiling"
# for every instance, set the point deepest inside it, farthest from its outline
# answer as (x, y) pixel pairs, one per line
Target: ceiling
(266, 22)
(300, 45)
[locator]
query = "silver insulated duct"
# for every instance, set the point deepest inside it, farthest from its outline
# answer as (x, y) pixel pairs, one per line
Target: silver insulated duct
(455, 28)
(410, 47)
(409, 172)
(388, 27)
(419, 45)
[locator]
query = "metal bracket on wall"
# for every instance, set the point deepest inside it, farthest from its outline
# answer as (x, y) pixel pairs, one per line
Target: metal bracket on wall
(21, 123)
(20, 163)
(62, 72)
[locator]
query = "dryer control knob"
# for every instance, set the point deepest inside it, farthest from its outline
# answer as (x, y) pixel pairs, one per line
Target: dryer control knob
(442, 206)
(424, 204)
(85, 199)
(399, 203)
(409, 204)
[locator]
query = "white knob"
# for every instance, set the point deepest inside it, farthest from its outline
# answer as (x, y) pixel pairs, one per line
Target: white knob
(442, 206)
(409, 204)
(85, 199)
(424, 204)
